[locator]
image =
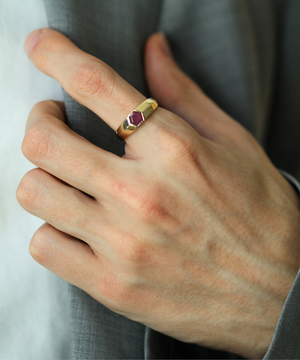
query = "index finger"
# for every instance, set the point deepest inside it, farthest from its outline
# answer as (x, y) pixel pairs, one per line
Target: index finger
(85, 78)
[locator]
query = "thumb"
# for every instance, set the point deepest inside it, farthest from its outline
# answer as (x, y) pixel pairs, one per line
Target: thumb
(178, 93)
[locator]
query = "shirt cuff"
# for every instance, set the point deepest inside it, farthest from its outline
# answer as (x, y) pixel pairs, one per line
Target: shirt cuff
(291, 180)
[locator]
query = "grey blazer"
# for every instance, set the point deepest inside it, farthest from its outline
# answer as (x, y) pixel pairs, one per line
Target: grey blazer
(245, 54)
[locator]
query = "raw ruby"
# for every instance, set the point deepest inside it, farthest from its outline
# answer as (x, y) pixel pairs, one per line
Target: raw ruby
(136, 118)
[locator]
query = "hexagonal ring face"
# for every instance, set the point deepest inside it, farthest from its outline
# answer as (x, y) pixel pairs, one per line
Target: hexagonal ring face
(135, 118)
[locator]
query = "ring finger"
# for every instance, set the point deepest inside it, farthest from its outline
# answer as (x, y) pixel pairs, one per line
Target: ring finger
(54, 147)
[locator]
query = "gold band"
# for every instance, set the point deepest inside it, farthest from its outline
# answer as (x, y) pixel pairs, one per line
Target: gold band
(136, 118)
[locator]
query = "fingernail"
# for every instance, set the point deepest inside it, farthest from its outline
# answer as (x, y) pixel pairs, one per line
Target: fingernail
(164, 45)
(31, 40)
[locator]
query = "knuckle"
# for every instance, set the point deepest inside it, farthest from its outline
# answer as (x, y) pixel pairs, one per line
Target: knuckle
(39, 247)
(181, 148)
(91, 79)
(118, 292)
(133, 252)
(145, 201)
(37, 143)
(28, 189)
(178, 150)
(149, 205)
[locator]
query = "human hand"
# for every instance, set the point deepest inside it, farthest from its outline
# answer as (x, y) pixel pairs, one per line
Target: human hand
(192, 233)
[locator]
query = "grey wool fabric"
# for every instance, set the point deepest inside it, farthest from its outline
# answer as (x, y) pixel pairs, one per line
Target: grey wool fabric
(245, 55)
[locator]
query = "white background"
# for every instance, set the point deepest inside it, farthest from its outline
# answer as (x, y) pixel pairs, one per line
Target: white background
(33, 301)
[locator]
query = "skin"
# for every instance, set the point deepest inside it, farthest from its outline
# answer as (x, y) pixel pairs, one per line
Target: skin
(193, 232)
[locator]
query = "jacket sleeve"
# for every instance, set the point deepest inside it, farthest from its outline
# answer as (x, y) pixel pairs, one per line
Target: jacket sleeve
(286, 340)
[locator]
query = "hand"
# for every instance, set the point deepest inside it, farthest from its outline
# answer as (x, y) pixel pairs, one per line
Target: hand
(192, 233)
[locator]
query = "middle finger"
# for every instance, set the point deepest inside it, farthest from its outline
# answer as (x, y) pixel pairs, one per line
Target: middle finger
(54, 147)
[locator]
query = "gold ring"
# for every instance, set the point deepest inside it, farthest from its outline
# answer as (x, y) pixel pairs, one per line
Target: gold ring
(136, 118)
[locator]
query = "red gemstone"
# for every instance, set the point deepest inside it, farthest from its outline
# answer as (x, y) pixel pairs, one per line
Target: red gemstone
(136, 118)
